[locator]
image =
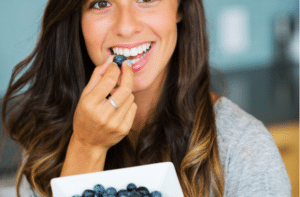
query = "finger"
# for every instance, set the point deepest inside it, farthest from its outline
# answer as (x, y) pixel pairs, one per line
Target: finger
(118, 130)
(128, 120)
(120, 114)
(125, 89)
(127, 75)
(114, 117)
(124, 63)
(98, 73)
(106, 84)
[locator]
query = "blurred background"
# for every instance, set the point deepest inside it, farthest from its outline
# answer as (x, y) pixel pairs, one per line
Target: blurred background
(254, 58)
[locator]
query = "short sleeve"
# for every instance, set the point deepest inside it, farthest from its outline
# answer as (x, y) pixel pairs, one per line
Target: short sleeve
(255, 167)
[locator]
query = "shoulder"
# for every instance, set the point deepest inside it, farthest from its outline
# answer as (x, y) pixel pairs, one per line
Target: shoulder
(235, 127)
(249, 156)
(233, 123)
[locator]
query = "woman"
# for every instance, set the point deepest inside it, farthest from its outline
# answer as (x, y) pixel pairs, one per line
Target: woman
(160, 108)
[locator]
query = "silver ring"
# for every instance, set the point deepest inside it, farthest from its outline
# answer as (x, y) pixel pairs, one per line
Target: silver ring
(113, 103)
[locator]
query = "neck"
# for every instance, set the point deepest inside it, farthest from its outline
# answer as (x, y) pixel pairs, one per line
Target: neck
(146, 100)
(145, 104)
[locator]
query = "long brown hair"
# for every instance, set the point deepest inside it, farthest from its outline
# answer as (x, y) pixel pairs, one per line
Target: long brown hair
(39, 105)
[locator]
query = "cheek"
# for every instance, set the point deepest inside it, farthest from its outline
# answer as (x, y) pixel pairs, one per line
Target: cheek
(163, 22)
(93, 32)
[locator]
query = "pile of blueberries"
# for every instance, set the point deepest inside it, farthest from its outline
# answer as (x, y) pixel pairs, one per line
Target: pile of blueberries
(131, 191)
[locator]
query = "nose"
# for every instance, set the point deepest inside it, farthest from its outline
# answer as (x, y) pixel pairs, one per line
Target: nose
(127, 22)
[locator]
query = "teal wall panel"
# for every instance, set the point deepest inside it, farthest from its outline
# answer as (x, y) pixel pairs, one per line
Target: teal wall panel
(258, 16)
(19, 22)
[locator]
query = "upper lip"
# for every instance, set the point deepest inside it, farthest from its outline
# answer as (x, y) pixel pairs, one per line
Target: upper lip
(130, 46)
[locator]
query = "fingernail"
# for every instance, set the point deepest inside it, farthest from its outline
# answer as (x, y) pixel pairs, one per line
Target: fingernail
(115, 63)
(128, 62)
(110, 58)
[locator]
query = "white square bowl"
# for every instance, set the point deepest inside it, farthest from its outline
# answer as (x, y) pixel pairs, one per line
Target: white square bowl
(156, 177)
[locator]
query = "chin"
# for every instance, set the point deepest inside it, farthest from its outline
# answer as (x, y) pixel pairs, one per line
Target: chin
(139, 87)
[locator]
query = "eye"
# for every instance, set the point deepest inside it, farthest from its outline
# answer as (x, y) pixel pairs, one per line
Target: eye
(102, 4)
(99, 5)
(146, 1)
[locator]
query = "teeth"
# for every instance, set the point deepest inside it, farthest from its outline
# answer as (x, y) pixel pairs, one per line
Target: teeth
(119, 51)
(126, 52)
(144, 47)
(140, 50)
(134, 60)
(132, 52)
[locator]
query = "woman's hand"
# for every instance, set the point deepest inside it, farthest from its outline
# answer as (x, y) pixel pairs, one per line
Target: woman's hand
(97, 125)
(96, 122)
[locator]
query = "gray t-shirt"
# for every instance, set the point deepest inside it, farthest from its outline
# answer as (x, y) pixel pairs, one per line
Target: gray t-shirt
(251, 161)
(250, 158)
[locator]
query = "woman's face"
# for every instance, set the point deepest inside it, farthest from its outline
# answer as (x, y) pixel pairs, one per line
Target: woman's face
(129, 24)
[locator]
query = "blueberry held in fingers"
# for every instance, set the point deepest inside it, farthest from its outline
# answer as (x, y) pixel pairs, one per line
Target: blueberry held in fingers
(119, 59)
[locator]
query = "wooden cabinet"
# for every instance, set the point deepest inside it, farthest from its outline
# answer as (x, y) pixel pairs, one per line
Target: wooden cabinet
(286, 136)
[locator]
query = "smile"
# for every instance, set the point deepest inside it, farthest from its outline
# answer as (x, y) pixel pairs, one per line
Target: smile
(137, 56)
(133, 54)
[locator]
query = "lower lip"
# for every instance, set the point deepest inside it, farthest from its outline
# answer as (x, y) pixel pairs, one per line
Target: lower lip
(139, 65)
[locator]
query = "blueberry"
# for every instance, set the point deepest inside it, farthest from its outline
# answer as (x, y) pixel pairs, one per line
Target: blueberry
(119, 59)
(156, 194)
(123, 193)
(131, 187)
(130, 191)
(99, 189)
(88, 193)
(143, 191)
(104, 194)
(134, 194)
(111, 190)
